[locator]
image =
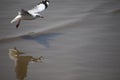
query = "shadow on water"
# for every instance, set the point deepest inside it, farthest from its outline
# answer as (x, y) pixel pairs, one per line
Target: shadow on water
(42, 38)
(21, 62)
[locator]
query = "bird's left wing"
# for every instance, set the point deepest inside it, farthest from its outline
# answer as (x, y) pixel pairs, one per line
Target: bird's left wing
(38, 8)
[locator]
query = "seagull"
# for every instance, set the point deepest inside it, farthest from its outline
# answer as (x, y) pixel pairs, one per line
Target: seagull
(32, 13)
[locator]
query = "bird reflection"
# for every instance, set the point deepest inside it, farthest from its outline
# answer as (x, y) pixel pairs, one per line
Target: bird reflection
(21, 62)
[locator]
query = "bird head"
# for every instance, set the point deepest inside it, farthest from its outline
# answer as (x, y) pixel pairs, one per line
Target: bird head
(47, 2)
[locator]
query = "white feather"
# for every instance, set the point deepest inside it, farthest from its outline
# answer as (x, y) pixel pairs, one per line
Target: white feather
(39, 8)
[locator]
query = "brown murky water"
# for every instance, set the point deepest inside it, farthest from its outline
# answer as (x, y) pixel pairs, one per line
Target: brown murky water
(79, 39)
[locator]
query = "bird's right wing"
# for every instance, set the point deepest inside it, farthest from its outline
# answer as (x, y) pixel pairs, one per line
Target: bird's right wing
(17, 19)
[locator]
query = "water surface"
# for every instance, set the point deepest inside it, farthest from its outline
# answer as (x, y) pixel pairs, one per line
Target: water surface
(80, 40)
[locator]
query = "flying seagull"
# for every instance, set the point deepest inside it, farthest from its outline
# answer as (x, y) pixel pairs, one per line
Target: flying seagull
(32, 13)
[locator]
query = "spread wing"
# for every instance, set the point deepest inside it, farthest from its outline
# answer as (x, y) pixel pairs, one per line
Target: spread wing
(37, 9)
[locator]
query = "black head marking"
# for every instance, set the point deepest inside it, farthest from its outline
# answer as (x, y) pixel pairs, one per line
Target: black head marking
(44, 2)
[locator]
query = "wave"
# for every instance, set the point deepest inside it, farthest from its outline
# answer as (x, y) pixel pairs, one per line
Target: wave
(42, 31)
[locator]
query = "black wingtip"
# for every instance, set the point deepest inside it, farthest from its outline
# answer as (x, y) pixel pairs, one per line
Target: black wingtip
(17, 26)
